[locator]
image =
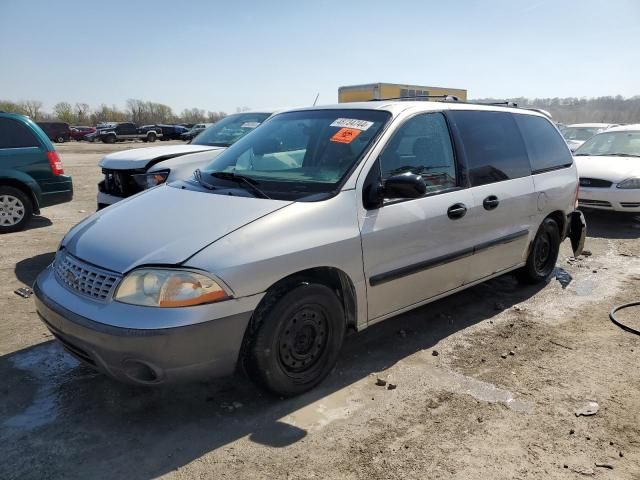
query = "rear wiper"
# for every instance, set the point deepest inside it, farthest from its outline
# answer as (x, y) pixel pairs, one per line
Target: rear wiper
(240, 180)
(198, 176)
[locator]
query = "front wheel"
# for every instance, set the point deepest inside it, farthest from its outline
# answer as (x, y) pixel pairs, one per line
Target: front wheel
(543, 254)
(298, 340)
(109, 139)
(16, 209)
(60, 139)
(151, 137)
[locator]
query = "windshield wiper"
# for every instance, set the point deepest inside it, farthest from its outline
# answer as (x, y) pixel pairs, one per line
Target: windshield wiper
(240, 180)
(622, 155)
(218, 144)
(198, 176)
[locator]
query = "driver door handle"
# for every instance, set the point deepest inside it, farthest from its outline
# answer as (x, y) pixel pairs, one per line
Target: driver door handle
(491, 202)
(456, 211)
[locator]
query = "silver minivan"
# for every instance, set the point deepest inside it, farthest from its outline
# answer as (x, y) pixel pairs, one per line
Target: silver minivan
(320, 220)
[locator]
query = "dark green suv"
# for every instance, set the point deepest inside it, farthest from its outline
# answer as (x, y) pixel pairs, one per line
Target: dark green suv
(31, 173)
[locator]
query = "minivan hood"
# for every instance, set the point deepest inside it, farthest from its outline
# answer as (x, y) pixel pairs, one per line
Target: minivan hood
(613, 169)
(162, 226)
(141, 157)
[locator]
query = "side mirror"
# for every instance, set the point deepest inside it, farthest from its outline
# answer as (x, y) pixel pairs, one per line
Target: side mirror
(405, 185)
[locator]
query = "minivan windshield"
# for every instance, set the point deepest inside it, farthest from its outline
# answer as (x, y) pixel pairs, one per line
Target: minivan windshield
(298, 154)
(230, 129)
(616, 144)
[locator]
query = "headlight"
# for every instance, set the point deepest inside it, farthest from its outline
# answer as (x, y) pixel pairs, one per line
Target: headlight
(630, 183)
(169, 288)
(148, 180)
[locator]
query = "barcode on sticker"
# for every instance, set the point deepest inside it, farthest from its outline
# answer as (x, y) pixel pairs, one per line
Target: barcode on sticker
(352, 123)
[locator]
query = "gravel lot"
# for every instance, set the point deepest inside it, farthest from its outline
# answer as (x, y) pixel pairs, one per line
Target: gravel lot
(460, 410)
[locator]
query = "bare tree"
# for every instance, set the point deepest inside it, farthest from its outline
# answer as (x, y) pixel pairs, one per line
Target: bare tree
(63, 111)
(82, 111)
(32, 108)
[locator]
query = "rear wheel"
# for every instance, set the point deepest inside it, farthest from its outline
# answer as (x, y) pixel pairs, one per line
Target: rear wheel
(109, 139)
(543, 254)
(151, 137)
(297, 341)
(16, 209)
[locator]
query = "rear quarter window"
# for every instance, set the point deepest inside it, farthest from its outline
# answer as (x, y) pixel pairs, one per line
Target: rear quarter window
(546, 147)
(493, 146)
(14, 134)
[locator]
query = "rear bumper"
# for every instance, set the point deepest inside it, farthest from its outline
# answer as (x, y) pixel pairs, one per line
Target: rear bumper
(612, 198)
(57, 192)
(147, 356)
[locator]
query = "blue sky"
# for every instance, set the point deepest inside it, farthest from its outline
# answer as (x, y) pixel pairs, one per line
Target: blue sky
(223, 55)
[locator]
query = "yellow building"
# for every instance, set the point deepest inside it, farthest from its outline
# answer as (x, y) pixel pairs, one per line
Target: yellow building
(370, 91)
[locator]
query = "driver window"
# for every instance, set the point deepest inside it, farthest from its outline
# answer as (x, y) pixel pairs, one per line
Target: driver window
(422, 146)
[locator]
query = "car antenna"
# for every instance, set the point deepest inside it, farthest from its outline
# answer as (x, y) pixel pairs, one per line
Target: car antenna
(316, 100)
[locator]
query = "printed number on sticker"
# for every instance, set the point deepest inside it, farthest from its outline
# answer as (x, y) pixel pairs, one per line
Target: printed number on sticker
(352, 123)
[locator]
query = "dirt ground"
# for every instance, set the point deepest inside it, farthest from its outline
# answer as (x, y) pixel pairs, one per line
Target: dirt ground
(464, 412)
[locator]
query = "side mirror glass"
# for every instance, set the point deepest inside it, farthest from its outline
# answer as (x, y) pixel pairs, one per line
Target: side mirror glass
(405, 185)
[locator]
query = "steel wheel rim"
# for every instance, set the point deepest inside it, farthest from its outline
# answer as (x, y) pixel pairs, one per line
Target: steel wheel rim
(543, 253)
(12, 210)
(303, 339)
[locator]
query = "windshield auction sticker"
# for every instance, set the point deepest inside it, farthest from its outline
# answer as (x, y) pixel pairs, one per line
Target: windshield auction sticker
(345, 135)
(249, 125)
(352, 123)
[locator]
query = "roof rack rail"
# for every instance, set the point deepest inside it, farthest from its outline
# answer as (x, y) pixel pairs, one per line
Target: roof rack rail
(445, 98)
(505, 103)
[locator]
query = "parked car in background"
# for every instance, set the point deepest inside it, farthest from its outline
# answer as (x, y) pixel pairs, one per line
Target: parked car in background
(172, 132)
(31, 173)
(195, 130)
(78, 133)
(320, 220)
(132, 171)
(609, 169)
(58, 132)
(123, 131)
(577, 133)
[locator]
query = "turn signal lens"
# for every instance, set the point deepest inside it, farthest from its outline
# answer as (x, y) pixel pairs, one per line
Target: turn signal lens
(169, 289)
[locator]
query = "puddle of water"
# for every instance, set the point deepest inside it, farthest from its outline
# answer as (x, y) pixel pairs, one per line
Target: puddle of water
(455, 382)
(345, 402)
(320, 413)
(49, 365)
(563, 277)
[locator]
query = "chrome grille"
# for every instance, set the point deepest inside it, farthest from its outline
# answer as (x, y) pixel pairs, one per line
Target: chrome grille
(85, 279)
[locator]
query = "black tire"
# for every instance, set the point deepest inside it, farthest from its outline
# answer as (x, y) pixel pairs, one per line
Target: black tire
(151, 137)
(109, 139)
(298, 339)
(10, 199)
(543, 255)
(60, 139)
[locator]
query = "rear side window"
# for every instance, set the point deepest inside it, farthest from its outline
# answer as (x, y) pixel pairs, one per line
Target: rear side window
(547, 149)
(14, 134)
(493, 146)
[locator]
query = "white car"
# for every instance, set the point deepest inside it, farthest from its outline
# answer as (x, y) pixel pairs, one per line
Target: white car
(609, 169)
(132, 171)
(577, 133)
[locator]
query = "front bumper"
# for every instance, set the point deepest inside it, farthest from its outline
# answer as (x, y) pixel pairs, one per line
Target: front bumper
(105, 199)
(612, 198)
(145, 356)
